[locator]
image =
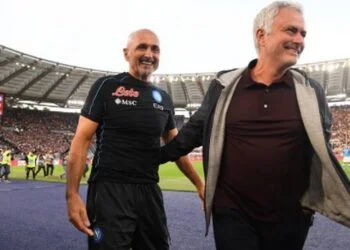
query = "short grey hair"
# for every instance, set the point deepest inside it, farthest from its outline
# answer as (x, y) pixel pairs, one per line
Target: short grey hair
(264, 18)
(133, 34)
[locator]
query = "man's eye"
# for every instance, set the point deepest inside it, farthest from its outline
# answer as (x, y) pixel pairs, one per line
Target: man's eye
(142, 47)
(292, 30)
(156, 49)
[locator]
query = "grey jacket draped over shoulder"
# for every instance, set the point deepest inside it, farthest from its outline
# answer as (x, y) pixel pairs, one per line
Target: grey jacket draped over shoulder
(329, 188)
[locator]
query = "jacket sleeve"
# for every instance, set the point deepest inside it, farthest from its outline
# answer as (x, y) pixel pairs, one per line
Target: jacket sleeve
(191, 134)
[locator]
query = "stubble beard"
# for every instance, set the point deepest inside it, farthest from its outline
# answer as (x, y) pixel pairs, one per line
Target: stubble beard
(145, 75)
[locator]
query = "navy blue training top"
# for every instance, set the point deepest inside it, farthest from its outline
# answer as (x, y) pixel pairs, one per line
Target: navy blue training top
(132, 116)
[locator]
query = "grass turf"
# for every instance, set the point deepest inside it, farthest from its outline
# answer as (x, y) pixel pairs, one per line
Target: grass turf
(170, 176)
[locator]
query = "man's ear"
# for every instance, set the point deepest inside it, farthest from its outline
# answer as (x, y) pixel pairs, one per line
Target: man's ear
(260, 37)
(125, 52)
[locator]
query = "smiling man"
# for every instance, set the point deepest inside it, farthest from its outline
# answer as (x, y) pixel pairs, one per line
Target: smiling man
(265, 132)
(129, 116)
(142, 53)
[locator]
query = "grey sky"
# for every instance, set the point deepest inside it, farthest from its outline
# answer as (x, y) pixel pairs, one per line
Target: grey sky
(196, 35)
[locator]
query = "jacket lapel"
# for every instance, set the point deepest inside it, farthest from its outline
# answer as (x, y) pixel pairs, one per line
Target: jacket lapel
(229, 81)
(310, 115)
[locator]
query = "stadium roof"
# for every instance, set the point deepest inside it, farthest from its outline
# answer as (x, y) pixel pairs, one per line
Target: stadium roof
(26, 78)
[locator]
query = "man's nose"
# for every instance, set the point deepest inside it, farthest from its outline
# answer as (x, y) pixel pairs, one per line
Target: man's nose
(299, 38)
(148, 52)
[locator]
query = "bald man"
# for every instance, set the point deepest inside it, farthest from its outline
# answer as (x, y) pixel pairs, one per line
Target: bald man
(129, 116)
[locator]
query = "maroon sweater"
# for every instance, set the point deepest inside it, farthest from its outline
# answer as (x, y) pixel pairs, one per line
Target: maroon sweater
(265, 164)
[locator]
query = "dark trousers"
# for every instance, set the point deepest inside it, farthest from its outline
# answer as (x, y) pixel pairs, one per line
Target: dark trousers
(30, 170)
(49, 169)
(234, 230)
(42, 167)
(127, 216)
(5, 171)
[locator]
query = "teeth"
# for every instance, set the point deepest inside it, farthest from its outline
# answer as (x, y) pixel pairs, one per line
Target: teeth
(296, 51)
(293, 48)
(148, 63)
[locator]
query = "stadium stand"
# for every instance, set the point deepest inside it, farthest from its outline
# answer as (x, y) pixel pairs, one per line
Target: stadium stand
(177, 93)
(27, 81)
(28, 78)
(333, 76)
(336, 82)
(194, 89)
(25, 130)
(341, 128)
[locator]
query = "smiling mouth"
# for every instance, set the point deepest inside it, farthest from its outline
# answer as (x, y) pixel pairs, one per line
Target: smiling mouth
(147, 63)
(147, 60)
(296, 51)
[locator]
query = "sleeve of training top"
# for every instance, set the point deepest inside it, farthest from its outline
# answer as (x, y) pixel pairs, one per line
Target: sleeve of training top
(93, 108)
(170, 107)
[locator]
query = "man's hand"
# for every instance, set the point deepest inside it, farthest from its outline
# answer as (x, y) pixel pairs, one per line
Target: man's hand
(77, 214)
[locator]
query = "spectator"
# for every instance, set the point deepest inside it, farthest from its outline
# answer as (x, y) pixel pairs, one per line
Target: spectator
(31, 164)
(41, 165)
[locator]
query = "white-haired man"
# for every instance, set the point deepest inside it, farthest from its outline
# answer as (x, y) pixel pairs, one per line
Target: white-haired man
(265, 131)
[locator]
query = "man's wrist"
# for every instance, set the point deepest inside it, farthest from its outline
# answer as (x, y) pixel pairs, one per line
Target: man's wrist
(200, 186)
(70, 194)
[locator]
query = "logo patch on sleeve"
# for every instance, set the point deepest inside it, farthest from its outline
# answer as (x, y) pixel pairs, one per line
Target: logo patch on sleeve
(157, 96)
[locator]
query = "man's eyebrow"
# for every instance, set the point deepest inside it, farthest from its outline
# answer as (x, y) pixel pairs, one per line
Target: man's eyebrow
(145, 45)
(142, 45)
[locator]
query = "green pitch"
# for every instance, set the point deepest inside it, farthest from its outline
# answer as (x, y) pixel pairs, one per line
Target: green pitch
(347, 170)
(19, 174)
(171, 178)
